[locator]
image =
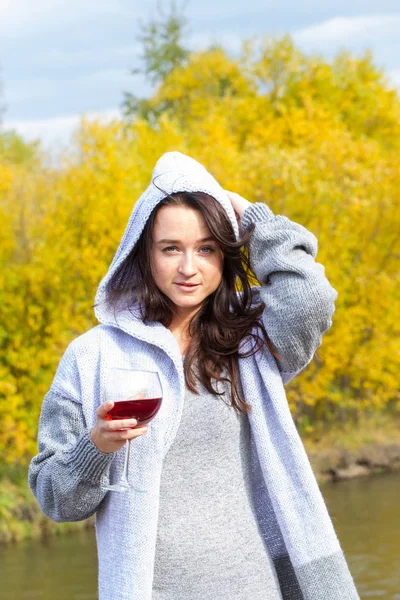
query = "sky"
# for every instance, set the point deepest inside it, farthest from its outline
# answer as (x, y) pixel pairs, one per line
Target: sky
(61, 59)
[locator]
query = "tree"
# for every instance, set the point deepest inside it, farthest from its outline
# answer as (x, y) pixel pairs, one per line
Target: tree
(14, 149)
(163, 51)
(2, 107)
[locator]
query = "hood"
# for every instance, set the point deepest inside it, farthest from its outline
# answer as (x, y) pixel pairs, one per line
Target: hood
(174, 172)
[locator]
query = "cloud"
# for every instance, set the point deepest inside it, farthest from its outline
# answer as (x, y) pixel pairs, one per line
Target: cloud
(59, 61)
(87, 56)
(349, 29)
(90, 91)
(56, 133)
(394, 77)
(27, 90)
(21, 17)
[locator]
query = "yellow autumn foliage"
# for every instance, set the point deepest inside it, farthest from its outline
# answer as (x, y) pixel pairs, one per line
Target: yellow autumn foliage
(317, 142)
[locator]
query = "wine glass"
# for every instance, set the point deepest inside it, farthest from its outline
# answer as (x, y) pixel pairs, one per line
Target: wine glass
(136, 394)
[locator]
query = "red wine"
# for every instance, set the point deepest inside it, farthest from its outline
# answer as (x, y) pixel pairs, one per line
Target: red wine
(141, 410)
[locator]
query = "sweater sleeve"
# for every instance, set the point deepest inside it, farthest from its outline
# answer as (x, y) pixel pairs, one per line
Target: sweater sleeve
(299, 300)
(66, 474)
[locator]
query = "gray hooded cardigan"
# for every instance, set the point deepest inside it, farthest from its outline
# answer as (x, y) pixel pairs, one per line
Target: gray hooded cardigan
(67, 473)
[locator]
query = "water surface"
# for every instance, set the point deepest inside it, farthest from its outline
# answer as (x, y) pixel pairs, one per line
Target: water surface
(365, 512)
(366, 516)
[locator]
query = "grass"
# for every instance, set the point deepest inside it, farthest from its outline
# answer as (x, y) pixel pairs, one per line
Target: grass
(20, 516)
(380, 429)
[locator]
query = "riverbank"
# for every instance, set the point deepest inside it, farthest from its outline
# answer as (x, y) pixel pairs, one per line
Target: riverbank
(20, 516)
(335, 454)
(348, 451)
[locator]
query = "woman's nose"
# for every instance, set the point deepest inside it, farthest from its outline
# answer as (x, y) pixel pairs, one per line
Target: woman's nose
(187, 266)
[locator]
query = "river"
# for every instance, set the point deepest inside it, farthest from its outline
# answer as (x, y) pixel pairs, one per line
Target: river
(365, 512)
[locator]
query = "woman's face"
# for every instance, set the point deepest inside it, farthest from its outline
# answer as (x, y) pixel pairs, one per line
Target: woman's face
(187, 261)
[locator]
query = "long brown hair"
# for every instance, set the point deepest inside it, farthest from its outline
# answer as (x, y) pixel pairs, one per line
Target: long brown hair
(225, 318)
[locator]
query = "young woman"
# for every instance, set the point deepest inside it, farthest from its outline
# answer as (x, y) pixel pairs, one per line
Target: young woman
(228, 506)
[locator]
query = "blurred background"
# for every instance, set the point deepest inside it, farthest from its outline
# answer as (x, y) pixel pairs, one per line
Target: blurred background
(295, 104)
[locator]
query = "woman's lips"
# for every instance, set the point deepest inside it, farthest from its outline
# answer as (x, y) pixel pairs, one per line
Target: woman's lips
(187, 287)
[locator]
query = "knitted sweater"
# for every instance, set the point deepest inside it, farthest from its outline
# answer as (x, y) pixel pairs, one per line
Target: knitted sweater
(208, 543)
(67, 473)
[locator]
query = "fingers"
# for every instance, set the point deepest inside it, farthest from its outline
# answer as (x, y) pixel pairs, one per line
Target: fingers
(238, 202)
(130, 434)
(104, 408)
(138, 396)
(108, 440)
(120, 424)
(110, 436)
(124, 434)
(116, 439)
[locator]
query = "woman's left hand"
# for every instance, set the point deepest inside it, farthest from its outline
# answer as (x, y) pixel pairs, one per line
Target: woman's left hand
(238, 202)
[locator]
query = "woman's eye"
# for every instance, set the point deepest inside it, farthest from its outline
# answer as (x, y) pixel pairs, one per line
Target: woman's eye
(170, 249)
(207, 249)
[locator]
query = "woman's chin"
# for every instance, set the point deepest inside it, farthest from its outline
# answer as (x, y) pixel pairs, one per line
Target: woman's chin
(184, 307)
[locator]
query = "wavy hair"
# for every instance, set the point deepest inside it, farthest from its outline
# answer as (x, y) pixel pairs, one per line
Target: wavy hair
(226, 316)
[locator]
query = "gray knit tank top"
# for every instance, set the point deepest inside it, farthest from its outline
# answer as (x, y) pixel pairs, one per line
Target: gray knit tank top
(208, 542)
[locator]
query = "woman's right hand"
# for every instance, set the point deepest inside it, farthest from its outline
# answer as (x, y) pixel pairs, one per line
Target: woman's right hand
(108, 436)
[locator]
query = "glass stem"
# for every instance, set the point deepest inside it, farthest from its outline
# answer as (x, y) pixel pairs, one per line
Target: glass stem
(124, 478)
